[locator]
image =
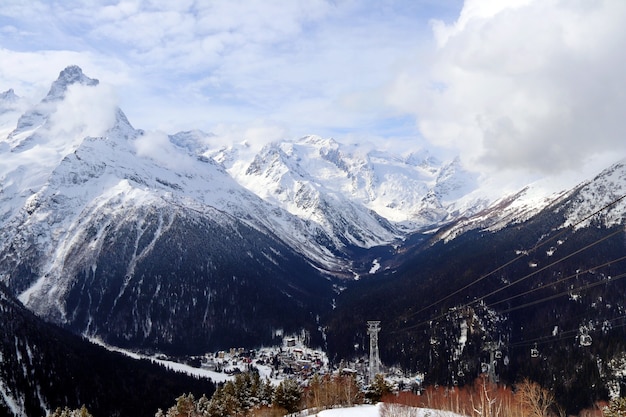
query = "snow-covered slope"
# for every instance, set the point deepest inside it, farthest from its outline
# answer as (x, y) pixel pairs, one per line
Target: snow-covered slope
(341, 187)
(84, 217)
(289, 175)
(574, 206)
(607, 187)
(11, 107)
(99, 219)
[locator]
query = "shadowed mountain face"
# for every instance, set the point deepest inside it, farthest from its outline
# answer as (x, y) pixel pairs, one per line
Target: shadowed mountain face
(44, 367)
(156, 241)
(167, 243)
(542, 298)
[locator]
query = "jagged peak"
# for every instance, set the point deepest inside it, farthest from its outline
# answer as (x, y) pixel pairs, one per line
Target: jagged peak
(422, 158)
(268, 155)
(194, 141)
(619, 165)
(319, 141)
(9, 96)
(72, 74)
(122, 126)
(451, 168)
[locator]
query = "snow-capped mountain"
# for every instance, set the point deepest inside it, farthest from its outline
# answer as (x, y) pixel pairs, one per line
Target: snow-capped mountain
(170, 242)
(576, 205)
(531, 286)
(11, 108)
(337, 185)
(125, 234)
(85, 220)
(105, 228)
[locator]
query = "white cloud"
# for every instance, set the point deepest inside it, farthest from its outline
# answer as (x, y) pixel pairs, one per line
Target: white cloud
(156, 145)
(256, 134)
(524, 85)
(85, 111)
(30, 73)
(228, 61)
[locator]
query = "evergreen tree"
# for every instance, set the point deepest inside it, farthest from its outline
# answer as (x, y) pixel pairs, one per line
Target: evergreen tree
(288, 395)
(241, 391)
(228, 398)
(266, 393)
(202, 406)
(378, 389)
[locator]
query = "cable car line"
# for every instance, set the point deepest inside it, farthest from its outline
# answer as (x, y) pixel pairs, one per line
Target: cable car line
(537, 246)
(566, 334)
(482, 299)
(584, 287)
(598, 241)
(550, 284)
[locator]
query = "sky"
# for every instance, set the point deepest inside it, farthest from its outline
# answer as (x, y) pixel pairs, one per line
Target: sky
(518, 88)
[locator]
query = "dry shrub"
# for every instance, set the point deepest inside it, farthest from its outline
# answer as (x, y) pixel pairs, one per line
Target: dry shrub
(480, 399)
(535, 400)
(268, 411)
(329, 391)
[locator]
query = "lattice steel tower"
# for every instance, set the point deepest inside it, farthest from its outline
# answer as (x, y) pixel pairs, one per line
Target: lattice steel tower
(373, 327)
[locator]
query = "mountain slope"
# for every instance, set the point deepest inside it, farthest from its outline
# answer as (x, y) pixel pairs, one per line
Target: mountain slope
(44, 367)
(165, 242)
(544, 290)
(342, 187)
(133, 225)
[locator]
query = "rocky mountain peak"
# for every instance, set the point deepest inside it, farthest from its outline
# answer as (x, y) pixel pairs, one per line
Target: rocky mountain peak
(9, 101)
(8, 96)
(69, 76)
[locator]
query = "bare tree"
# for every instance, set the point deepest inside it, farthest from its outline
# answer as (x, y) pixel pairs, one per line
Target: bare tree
(535, 399)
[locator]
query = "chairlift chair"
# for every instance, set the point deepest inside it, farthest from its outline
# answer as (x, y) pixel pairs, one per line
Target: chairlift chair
(534, 352)
(585, 340)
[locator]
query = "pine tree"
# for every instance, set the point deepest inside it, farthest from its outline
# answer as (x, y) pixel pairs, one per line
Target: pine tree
(266, 392)
(288, 395)
(229, 400)
(378, 389)
(202, 406)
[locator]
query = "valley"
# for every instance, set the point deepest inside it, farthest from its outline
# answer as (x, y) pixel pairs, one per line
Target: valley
(169, 245)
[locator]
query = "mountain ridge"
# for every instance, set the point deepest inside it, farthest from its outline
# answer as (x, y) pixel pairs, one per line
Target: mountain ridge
(169, 242)
(45, 367)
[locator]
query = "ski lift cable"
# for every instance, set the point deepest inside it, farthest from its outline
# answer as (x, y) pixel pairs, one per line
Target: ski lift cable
(537, 246)
(482, 299)
(614, 261)
(592, 244)
(584, 287)
(567, 334)
(564, 333)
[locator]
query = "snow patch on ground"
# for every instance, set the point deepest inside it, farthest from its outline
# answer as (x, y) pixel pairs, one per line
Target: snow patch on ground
(16, 405)
(175, 366)
(375, 411)
(375, 266)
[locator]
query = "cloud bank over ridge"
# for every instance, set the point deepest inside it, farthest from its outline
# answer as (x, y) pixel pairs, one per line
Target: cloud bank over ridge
(526, 87)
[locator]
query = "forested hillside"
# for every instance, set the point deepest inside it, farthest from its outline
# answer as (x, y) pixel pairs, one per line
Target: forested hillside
(540, 302)
(44, 367)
